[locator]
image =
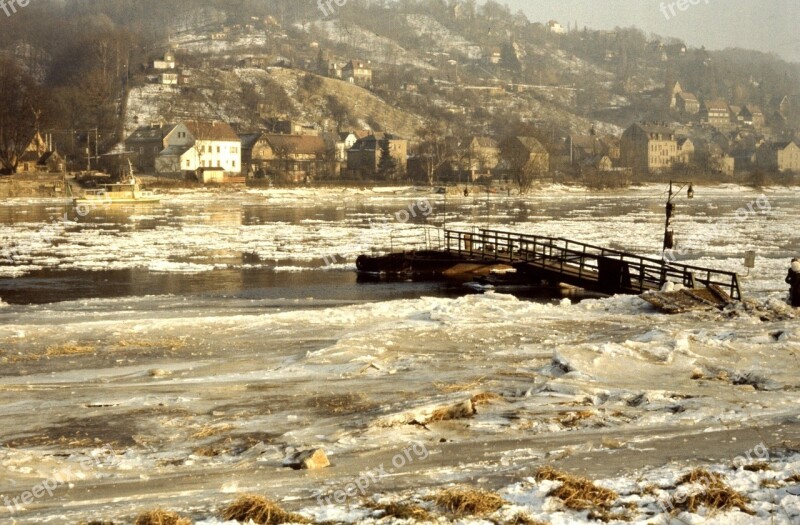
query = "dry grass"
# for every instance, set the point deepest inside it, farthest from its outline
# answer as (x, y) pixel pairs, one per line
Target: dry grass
(484, 398)
(207, 452)
(575, 492)
(757, 467)
(793, 479)
(68, 349)
(458, 411)
(161, 517)
(468, 502)
(212, 430)
(523, 519)
(715, 494)
(403, 511)
(261, 511)
(171, 343)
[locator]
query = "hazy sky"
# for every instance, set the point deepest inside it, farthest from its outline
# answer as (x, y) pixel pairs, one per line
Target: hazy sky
(766, 25)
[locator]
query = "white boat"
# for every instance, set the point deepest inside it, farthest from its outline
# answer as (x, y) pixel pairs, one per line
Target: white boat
(127, 192)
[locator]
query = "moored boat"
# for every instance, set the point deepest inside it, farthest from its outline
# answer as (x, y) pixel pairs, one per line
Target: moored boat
(127, 192)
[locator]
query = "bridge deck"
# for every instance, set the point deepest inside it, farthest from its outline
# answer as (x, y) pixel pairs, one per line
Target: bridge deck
(584, 265)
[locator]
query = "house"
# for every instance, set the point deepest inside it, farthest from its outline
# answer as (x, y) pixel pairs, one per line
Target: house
(715, 113)
(169, 78)
(522, 153)
(687, 103)
(40, 156)
(609, 146)
(494, 56)
(752, 116)
(779, 156)
(358, 72)
(27, 162)
(648, 148)
(602, 163)
(686, 151)
(193, 146)
(334, 69)
(719, 161)
(345, 141)
(282, 126)
(365, 155)
(781, 105)
(736, 114)
(249, 141)
(583, 147)
(168, 62)
(554, 27)
(256, 61)
(673, 92)
(295, 158)
(145, 143)
(484, 154)
(52, 162)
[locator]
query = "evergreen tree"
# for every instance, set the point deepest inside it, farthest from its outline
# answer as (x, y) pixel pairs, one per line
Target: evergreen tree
(387, 165)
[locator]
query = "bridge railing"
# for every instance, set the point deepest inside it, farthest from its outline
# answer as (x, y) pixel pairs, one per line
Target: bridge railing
(582, 261)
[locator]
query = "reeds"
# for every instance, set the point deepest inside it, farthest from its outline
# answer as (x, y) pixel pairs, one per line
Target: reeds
(468, 502)
(161, 517)
(261, 511)
(575, 492)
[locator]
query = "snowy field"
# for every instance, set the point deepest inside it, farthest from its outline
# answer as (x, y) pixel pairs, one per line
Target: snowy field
(186, 399)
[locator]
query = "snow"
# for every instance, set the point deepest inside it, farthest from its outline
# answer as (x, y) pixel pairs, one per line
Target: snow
(445, 39)
(374, 47)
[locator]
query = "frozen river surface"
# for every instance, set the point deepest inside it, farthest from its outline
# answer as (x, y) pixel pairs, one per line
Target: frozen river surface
(175, 355)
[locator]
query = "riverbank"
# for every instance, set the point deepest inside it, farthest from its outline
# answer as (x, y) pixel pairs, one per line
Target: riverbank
(32, 185)
(51, 185)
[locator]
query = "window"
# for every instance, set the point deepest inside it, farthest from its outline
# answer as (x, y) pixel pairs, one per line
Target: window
(219, 163)
(219, 149)
(233, 163)
(188, 163)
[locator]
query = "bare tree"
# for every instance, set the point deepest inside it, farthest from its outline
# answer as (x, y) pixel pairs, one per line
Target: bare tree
(526, 175)
(19, 113)
(434, 148)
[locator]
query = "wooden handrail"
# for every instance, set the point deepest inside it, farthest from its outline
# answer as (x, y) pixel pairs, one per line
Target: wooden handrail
(583, 257)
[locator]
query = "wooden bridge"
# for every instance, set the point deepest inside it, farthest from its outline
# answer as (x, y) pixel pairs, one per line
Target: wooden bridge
(555, 260)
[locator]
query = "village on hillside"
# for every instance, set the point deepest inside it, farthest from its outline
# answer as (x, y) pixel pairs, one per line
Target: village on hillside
(261, 100)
